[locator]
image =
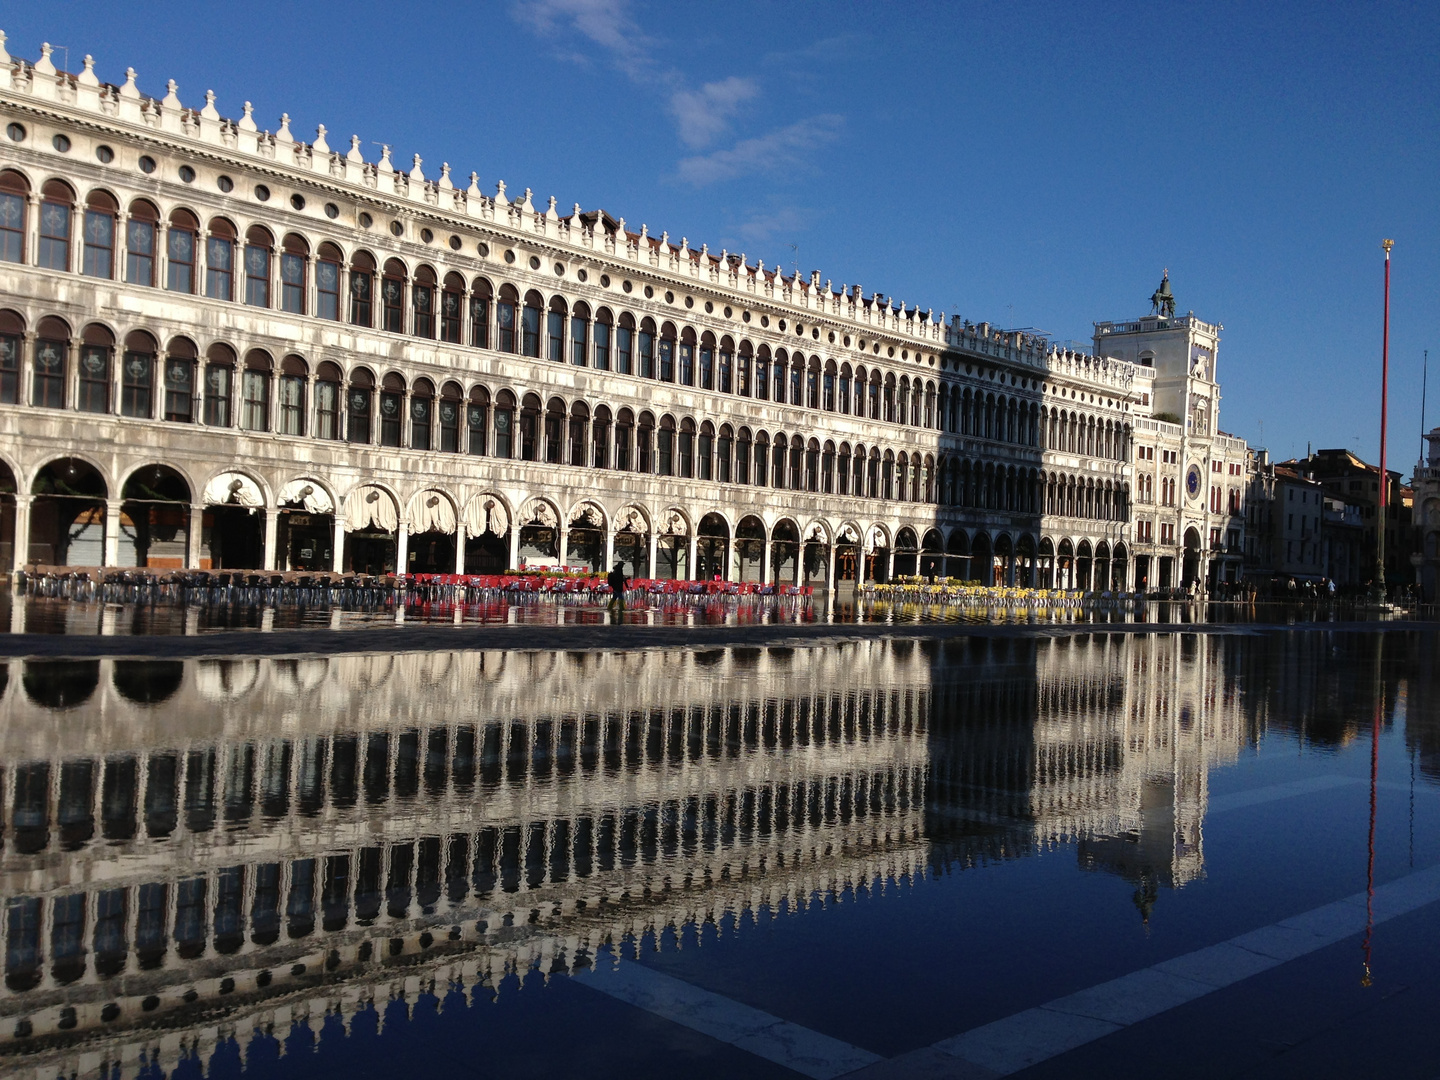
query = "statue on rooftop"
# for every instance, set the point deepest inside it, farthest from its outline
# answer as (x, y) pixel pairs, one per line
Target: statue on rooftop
(1162, 302)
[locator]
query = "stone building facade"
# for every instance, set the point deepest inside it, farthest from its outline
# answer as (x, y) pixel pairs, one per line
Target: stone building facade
(222, 347)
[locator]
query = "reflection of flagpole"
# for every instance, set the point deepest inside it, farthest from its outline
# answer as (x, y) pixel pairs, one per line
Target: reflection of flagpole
(1365, 980)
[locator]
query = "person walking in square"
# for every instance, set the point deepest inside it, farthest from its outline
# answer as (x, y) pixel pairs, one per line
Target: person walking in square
(617, 583)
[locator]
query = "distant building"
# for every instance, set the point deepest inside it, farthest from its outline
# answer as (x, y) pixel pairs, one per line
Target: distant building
(1342, 474)
(1342, 531)
(1425, 513)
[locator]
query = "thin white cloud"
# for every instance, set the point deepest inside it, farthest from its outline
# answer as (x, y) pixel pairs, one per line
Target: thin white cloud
(704, 115)
(785, 148)
(779, 223)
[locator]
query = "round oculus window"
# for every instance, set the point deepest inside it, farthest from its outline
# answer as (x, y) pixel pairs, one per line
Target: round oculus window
(186, 174)
(649, 293)
(455, 243)
(604, 281)
(534, 262)
(483, 248)
(147, 164)
(225, 184)
(510, 256)
(366, 220)
(582, 274)
(297, 202)
(61, 143)
(16, 132)
(559, 269)
(262, 193)
(104, 155)
(332, 211)
(396, 229)
(627, 286)
(426, 236)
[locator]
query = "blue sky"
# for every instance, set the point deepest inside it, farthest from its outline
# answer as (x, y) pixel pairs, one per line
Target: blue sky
(1030, 164)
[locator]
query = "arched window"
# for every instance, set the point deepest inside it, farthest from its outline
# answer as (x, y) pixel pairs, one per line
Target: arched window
(137, 375)
(604, 332)
(392, 297)
(705, 452)
(797, 379)
(180, 357)
(140, 243)
(219, 385)
(667, 353)
(258, 244)
(742, 456)
(329, 381)
(97, 348)
(529, 428)
(744, 370)
(292, 395)
(644, 444)
(422, 412)
(685, 357)
(827, 399)
(99, 252)
(827, 469)
(294, 255)
(12, 334)
(779, 453)
(422, 295)
(14, 195)
(392, 409)
(52, 351)
(449, 413)
(579, 421)
(726, 365)
(625, 344)
(600, 438)
(480, 296)
(220, 261)
(797, 464)
(255, 391)
(580, 335)
(477, 414)
(646, 346)
(843, 396)
(57, 202)
(530, 325)
(842, 469)
(180, 249)
(327, 282)
(507, 315)
(665, 446)
(762, 373)
(555, 330)
(707, 361)
(761, 456)
(505, 423)
(452, 308)
(624, 439)
(687, 448)
(555, 432)
(812, 466)
(362, 289)
(358, 400)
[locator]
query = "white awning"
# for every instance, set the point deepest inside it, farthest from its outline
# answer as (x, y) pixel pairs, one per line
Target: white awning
(371, 507)
(308, 494)
(233, 489)
(431, 511)
(486, 514)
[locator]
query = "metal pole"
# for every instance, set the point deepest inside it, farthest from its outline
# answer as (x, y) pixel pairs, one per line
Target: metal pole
(1424, 380)
(1384, 397)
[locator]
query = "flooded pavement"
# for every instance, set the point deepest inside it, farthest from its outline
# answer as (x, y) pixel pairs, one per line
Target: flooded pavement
(989, 854)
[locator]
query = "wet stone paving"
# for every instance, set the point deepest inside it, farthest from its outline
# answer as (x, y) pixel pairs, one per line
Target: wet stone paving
(1073, 846)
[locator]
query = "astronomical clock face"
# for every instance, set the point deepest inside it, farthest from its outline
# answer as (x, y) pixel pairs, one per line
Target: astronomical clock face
(1192, 482)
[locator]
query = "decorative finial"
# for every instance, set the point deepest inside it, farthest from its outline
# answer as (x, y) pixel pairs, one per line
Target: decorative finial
(283, 135)
(247, 122)
(43, 66)
(209, 112)
(415, 171)
(354, 154)
(474, 188)
(1387, 245)
(320, 146)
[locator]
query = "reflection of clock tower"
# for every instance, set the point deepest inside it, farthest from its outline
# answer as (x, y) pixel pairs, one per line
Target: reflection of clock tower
(1200, 524)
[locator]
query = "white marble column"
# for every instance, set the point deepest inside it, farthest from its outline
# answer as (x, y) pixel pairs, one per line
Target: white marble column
(111, 554)
(21, 553)
(271, 522)
(459, 547)
(402, 547)
(194, 542)
(338, 549)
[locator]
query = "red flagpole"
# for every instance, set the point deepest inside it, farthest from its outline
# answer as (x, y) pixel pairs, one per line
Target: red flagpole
(1384, 402)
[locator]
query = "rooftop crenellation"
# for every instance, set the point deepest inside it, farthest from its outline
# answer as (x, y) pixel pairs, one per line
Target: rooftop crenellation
(169, 117)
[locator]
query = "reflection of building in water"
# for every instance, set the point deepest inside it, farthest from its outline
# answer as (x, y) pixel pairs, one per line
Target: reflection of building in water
(1109, 744)
(237, 845)
(303, 837)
